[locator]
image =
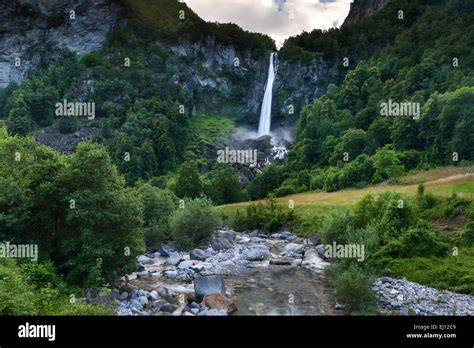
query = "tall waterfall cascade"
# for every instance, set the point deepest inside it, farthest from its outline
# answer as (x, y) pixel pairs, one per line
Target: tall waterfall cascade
(266, 112)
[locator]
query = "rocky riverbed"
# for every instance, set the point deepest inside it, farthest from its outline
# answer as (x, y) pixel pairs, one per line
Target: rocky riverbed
(258, 274)
(238, 273)
(403, 297)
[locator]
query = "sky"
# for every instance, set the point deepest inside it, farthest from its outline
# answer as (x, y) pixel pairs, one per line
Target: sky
(279, 19)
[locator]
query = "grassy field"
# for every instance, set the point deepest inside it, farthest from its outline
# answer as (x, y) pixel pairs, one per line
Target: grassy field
(441, 181)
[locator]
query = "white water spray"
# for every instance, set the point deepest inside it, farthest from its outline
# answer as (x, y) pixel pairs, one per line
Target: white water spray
(266, 112)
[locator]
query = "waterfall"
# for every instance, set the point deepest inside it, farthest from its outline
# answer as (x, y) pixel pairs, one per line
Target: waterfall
(266, 112)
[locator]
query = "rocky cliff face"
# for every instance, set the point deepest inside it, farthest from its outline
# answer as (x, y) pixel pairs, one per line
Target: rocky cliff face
(35, 33)
(364, 8)
(217, 78)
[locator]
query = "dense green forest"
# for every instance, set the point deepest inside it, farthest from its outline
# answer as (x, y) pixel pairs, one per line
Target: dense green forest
(343, 135)
(93, 211)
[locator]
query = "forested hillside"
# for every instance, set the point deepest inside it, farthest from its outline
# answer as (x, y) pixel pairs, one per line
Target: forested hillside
(377, 99)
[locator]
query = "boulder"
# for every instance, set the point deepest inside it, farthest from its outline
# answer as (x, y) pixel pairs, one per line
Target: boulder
(174, 259)
(280, 262)
(294, 250)
(220, 243)
(167, 308)
(219, 302)
(145, 260)
(227, 234)
(199, 254)
(143, 300)
(320, 250)
(136, 304)
(165, 249)
(255, 253)
(153, 295)
(314, 239)
(206, 285)
(158, 304)
(212, 312)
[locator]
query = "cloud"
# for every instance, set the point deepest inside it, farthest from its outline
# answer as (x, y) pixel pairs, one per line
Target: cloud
(279, 19)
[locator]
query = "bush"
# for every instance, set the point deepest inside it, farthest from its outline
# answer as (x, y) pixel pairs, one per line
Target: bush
(270, 217)
(265, 182)
(158, 205)
(415, 242)
(17, 295)
(67, 125)
(35, 289)
(352, 287)
(468, 234)
(390, 215)
(337, 227)
(194, 224)
(225, 186)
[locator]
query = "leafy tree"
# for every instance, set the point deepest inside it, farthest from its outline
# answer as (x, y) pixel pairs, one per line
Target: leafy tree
(158, 205)
(103, 221)
(353, 142)
(19, 119)
(188, 182)
(225, 185)
(387, 164)
(194, 224)
(265, 182)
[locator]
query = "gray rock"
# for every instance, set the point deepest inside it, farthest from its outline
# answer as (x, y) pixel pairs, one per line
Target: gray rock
(134, 293)
(226, 234)
(254, 233)
(145, 260)
(297, 262)
(220, 244)
(123, 296)
(167, 308)
(153, 295)
(294, 250)
(206, 285)
(194, 305)
(166, 249)
(174, 259)
(136, 304)
(123, 311)
(158, 304)
(255, 253)
(320, 250)
(143, 300)
(212, 312)
(280, 262)
(314, 239)
(199, 254)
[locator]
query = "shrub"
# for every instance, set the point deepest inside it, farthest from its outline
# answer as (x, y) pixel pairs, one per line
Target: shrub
(415, 242)
(17, 296)
(394, 215)
(265, 182)
(158, 205)
(468, 234)
(352, 287)
(337, 227)
(68, 125)
(270, 217)
(194, 224)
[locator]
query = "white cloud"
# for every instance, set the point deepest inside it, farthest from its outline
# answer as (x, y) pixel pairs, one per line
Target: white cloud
(279, 19)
